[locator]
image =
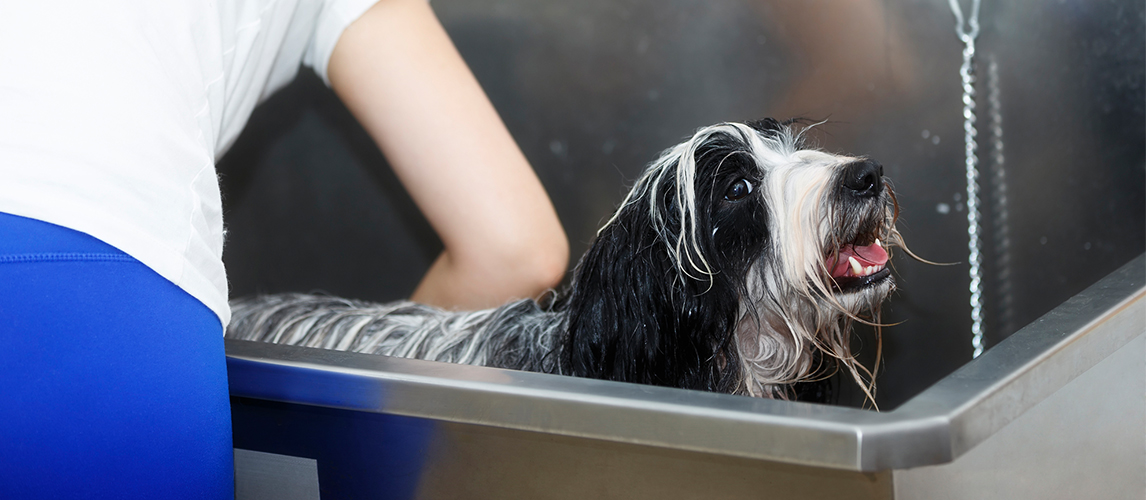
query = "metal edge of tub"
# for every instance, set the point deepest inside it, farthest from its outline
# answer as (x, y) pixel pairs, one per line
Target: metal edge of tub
(934, 427)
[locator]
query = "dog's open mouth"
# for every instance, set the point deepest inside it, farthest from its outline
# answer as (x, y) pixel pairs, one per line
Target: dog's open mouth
(859, 266)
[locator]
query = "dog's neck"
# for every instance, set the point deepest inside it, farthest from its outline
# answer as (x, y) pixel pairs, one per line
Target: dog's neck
(772, 356)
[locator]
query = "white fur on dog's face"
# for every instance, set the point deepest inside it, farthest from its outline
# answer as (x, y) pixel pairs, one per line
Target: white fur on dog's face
(799, 191)
(796, 190)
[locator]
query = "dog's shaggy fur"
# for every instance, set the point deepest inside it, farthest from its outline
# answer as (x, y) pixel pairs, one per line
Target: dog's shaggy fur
(736, 264)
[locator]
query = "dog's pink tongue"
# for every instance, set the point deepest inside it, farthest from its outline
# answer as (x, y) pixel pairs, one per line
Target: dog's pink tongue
(870, 255)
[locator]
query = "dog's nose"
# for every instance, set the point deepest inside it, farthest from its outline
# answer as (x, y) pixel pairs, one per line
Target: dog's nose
(863, 178)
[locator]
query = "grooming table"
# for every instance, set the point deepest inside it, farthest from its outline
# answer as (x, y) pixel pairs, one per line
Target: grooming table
(1057, 410)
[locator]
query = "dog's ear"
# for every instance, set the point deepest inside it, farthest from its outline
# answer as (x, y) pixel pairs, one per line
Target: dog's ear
(635, 316)
(631, 319)
(772, 127)
(769, 126)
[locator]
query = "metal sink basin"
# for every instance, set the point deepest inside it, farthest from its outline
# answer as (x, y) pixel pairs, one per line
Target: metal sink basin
(398, 428)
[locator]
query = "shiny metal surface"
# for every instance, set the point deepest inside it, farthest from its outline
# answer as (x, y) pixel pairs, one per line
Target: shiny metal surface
(940, 424)
(269, 476)
(593, 90)
(477, 462)
(1087, 440)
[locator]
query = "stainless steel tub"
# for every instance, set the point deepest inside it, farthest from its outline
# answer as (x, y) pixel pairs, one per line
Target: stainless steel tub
(1054, 411)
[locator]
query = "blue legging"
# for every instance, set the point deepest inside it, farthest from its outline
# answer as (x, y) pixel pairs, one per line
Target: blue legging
(113, 381)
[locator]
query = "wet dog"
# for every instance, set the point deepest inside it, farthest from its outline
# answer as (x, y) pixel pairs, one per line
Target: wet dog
(737, 263)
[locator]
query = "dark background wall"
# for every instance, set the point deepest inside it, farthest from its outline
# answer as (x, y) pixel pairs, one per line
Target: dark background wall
(593, 90)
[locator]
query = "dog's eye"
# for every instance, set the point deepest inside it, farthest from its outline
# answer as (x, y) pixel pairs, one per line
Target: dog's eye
(738, 190)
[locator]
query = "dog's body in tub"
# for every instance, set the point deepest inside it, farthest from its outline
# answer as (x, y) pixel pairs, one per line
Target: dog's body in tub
(737, 263)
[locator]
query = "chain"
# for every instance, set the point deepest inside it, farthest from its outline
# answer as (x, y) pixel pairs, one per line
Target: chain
(967, 33)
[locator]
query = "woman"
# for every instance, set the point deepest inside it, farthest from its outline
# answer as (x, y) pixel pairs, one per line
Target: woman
(113, 296)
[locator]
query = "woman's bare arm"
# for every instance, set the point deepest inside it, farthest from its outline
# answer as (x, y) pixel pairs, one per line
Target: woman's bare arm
(399, 73)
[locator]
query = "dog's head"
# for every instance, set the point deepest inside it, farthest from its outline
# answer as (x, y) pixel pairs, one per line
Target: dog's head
(736, 263)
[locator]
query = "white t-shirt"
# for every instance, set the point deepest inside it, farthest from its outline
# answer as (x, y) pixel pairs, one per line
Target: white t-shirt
(113, 113)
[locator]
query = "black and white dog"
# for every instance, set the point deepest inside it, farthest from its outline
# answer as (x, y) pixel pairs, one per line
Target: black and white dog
(736, 264)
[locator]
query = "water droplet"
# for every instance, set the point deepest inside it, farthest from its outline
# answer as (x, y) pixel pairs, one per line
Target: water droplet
(608, 146)
(943, 208)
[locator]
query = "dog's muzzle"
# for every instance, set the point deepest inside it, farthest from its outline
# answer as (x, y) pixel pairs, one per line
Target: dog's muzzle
(862, 262)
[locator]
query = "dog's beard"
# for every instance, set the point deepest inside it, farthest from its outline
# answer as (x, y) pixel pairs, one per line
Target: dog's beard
(780, 333)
